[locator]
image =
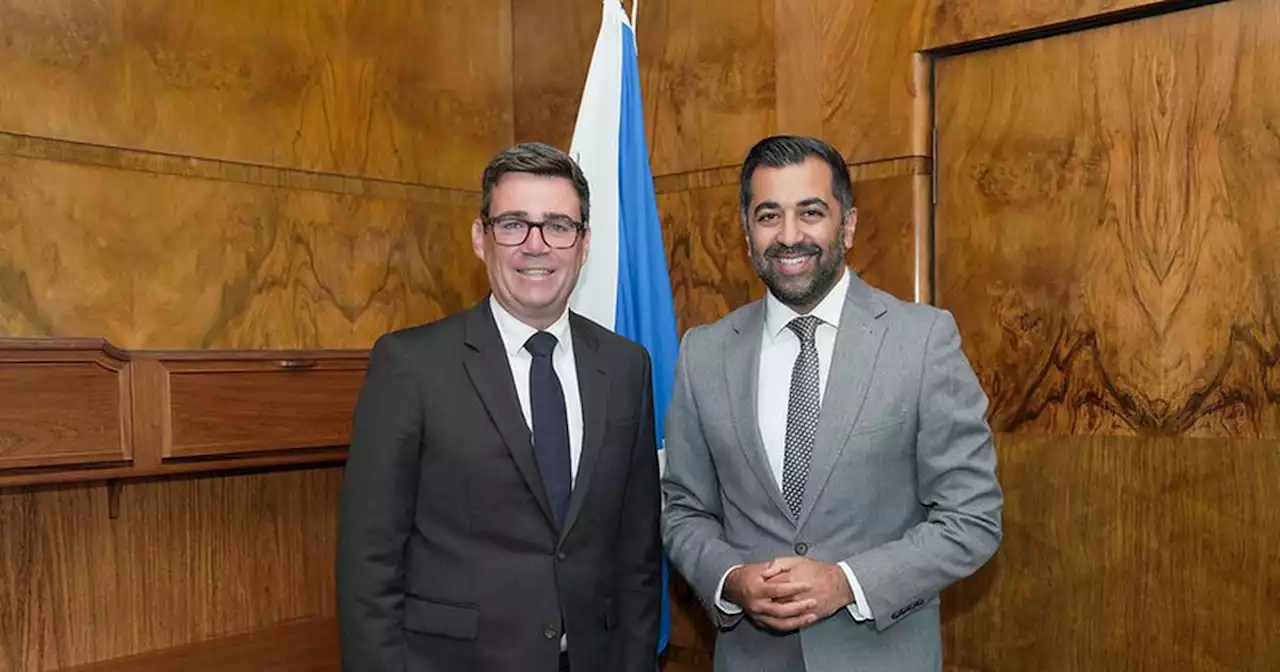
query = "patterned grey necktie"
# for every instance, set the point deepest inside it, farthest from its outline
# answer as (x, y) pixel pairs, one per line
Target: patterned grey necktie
(803, 406)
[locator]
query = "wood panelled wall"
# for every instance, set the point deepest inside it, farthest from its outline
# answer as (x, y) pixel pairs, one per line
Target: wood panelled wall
(1106, 238)
(241, 174)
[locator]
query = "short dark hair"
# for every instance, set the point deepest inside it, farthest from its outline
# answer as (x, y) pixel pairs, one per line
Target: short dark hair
(790, 150)
(539, 159)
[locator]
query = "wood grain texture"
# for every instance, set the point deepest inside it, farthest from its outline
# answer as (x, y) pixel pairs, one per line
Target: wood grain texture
(873, 90)
(1126, 555)
(64, 404)
(1107, 235)
(415, 91)
(219, 407)
(711, 272)
(884, 242)
(707, 77)
(162, 261)
(309, 645)
(952, 23)
(187, 560)
(798, 39)
(552, 42)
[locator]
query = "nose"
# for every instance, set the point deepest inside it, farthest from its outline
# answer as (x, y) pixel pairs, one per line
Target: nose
(534, 243)
(790, 233)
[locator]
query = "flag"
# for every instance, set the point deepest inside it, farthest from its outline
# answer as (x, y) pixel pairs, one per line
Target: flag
(625, 285)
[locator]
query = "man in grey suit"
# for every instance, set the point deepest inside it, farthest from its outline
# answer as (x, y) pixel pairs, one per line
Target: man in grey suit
(829, 470)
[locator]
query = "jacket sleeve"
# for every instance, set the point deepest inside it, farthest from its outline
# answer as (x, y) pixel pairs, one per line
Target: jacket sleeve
(639, 550)
(379, 490)
(955, 480)
(692, 527)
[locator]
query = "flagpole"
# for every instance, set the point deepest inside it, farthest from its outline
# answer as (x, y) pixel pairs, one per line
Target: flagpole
(635, 12)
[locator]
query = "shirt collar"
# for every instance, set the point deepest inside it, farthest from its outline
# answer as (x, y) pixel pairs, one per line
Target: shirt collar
(778, 314)
(516, 333)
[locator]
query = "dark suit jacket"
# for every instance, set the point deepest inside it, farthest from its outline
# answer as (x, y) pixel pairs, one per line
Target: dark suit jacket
(448, 559)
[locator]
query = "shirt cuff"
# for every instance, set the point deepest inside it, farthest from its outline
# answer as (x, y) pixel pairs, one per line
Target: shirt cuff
(859, 609)
(727, 607)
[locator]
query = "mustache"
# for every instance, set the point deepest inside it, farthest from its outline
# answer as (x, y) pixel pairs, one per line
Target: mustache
(777, 249)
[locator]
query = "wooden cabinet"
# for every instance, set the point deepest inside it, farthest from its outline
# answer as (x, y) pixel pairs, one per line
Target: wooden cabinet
(64, 402)
(218, 404)
(80, 409)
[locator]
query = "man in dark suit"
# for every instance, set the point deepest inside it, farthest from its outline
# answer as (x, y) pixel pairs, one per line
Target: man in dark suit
(500, 505)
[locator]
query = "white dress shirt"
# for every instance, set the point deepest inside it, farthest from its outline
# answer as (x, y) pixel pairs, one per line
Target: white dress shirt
(514, 335)
(779, 347)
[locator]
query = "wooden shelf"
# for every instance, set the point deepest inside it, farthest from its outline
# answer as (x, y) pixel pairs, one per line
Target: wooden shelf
(302, 646)
(74, 410)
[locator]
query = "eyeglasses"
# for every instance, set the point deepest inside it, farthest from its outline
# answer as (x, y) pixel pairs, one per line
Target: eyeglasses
(558, 232)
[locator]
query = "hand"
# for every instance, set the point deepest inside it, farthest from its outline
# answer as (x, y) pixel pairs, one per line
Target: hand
(826, 586)
(772, 603)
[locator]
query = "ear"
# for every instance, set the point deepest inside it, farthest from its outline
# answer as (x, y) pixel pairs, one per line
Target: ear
(477, 238)
(586, 245)
(850, 225)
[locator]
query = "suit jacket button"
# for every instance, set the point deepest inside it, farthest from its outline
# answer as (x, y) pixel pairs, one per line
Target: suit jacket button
(549, 633)
(802, 548)
(561, 556)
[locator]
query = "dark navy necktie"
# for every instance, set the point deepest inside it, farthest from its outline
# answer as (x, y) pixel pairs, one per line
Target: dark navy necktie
(550, 424)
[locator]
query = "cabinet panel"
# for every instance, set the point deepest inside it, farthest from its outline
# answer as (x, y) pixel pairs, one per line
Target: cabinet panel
(63, 404)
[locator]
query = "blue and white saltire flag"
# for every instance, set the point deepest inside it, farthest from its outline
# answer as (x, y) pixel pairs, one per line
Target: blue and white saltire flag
(625, 285)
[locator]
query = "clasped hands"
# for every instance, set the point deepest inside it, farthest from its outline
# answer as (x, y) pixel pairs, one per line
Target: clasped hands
(789, 593)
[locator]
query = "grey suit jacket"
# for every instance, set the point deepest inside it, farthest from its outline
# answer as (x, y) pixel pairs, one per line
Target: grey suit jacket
(902, 483)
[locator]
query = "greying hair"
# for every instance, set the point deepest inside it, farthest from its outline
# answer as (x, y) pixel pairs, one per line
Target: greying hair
(539, 159)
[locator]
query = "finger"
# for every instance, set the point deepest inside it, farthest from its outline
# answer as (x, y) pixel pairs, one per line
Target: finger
(779, 565)
(773, 572)
(787, 624)
(790, 609)
(786, 589)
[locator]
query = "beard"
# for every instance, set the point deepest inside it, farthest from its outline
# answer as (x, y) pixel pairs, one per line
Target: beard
(805, 290)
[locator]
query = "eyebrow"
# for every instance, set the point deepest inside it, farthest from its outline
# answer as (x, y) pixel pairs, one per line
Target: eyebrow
(766, 205)
(806, 203)
(522, 214)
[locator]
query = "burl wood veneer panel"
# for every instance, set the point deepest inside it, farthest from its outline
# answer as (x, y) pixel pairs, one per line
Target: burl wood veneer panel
(1107, 231)
(405, 90)
(707, 76)
(552, 42)
(847, 72)
(158, 260)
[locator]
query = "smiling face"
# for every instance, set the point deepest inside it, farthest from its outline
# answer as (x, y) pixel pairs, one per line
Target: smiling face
(532, 281)
(796, 235)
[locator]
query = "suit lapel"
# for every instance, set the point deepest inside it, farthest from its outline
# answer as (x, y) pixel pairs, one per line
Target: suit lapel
(487, 365)
(593, 389)
(742, 372)
(853, 362)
